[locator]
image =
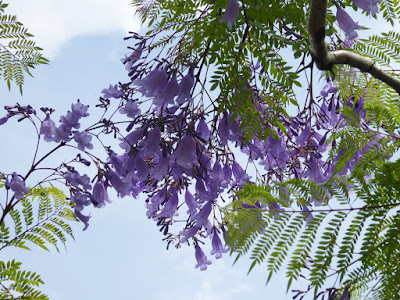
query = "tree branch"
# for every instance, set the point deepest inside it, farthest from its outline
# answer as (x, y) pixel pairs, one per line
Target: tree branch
(326, 59)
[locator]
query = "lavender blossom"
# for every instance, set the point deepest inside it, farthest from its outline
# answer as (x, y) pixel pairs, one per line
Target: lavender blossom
(191, 203)
(99, 195)
(201, 217)
(133, 58)
(48, 129)
(203, 130)
(75, 179)
(201, 258)
(188, 233)
(218, 248)
(370, 6)
(185, 88)
(4, 119)
(328, 88)
(151, 145)
(153, 83)
(112, 92)
(240, 175)
(185, 153)
(17, 185)
(231, 13)
(169, 209)
(131, 109)
(83, 139)
(167, 96)
(347, 24)
(121, 186)
(82, 218)
(80, 200)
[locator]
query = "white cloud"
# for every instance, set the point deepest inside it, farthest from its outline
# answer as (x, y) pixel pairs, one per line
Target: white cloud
(54, 22)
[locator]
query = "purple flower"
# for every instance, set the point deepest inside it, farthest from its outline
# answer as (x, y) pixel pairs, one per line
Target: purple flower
(202, 216)
(152, 142)
(185, 153)
(224, 130)
(122, 187)
(185, 88)
(201, 258)
(241, 177)
(153, 205)
(134, 57)
(131, 109)
(231, 13)
(82, 218)
(314, 171)
(201, 192)
(48, 129)
(328, 88)
(161, 170)
(370, 6)
(17, 185)
(99, 195)
(188, 233)
(4, 119)
(302, 139)
(83, 139)
(203, 130)
(218, 248)
(131, 139)
(191, 203)
(347, 24)
(79, 110)
(308, 214)
(112, 92)
(167, 96)
(75, 179)
(169, 209)
(80, 200)
(153, 83)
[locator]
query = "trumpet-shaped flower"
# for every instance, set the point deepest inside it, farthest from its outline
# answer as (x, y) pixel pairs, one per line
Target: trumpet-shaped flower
(83, 139)
(185, 88)
(231, 13)
(370, 6)
(347, 24)
(185, 154)
(99, 196)
(112, 92)
(17, 185)
(201, 258)
(48, 129)
(218, 248)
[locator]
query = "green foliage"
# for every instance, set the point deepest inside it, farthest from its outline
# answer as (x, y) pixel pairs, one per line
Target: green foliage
(16, 284)
(41, 219)
(18, 52)
(354, 243)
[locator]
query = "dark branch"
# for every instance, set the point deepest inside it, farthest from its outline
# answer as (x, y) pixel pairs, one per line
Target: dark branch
(326, 59)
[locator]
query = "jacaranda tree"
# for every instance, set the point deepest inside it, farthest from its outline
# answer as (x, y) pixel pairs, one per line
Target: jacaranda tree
(212, 82)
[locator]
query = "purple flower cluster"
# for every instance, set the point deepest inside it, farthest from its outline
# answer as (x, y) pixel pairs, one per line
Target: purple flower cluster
(17, 185)
(65, 131)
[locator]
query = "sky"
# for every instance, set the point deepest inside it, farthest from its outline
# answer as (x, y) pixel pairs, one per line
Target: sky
(121, 255)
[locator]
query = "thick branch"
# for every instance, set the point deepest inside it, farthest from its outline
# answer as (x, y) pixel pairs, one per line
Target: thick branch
(326, 59)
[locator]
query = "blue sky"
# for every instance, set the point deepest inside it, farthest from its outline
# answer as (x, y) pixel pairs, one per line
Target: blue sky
(121, 255)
